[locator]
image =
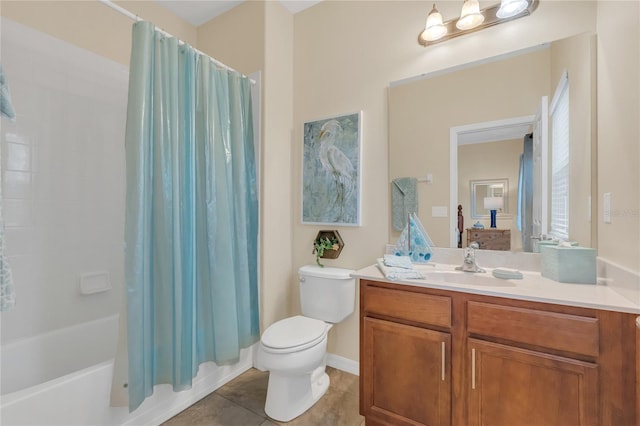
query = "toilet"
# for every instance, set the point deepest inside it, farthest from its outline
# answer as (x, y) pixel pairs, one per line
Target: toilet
(294, 349)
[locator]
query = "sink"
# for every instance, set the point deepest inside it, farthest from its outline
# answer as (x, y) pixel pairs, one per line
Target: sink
(467, 278)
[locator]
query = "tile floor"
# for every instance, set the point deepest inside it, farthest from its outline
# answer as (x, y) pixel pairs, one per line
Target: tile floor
(241, 403)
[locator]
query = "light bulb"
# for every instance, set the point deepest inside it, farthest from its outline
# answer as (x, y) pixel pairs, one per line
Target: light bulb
(434, 29)
(509, 8)
(470, 16)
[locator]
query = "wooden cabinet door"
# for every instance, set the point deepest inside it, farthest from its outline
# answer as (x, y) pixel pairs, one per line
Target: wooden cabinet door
(406, 374)
(512, 386)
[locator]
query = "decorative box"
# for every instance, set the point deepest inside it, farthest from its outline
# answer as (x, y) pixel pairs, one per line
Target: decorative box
(550, 243)
(568, 264)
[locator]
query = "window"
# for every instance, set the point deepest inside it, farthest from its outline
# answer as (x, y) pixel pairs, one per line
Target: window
(560, 160)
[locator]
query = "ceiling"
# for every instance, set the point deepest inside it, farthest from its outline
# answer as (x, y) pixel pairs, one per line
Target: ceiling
(197, 12)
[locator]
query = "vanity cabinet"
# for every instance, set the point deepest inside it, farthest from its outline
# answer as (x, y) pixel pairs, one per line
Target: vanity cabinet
(420, 366)
(405, 346)
(438, 357)
(540, 385)
(513, 386)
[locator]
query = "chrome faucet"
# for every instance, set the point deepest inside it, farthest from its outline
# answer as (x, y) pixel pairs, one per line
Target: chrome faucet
(469, 264)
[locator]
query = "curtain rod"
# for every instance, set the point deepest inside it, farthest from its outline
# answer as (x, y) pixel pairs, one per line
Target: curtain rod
(136, 18)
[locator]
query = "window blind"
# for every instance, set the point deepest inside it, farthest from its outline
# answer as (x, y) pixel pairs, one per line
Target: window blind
(559, 226)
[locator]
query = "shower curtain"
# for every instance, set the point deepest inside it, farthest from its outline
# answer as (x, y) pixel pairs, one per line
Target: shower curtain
(191, 214)
(524, 220)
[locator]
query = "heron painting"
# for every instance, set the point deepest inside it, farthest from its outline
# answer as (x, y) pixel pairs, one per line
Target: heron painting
(331, 170)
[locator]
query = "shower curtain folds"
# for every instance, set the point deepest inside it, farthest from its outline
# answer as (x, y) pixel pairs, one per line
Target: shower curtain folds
(191, 214)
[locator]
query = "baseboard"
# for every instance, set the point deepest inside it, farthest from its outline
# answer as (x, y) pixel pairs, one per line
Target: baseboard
(343, 364)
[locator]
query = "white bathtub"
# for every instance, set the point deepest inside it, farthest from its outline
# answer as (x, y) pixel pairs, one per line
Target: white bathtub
(81, 397)
(29, 362)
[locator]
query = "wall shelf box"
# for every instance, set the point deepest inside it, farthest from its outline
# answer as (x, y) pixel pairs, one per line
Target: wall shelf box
(331, 234)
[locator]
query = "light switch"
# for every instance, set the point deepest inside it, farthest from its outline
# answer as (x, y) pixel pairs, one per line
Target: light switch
(606, 205)
(439, 211)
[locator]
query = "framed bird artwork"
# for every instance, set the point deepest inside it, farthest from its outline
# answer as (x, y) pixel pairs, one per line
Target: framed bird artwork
(331, 170)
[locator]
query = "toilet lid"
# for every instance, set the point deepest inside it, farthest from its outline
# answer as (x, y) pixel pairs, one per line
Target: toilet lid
(293, 332)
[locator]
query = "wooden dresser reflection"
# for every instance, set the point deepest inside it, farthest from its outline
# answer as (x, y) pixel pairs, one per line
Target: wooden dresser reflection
(490, 238)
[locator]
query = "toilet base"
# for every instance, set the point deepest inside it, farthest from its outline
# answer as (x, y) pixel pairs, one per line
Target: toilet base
(290, 396)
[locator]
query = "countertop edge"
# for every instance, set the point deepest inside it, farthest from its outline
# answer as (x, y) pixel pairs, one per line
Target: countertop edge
(623, 305)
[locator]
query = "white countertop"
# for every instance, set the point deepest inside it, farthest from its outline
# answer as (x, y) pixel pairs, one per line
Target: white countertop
(533, 287)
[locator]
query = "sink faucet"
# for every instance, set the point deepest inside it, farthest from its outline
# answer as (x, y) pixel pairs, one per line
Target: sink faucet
(469, 264)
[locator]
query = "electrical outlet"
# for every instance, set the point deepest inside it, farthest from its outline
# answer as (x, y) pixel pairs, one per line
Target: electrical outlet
(606, 206)
(439, 211)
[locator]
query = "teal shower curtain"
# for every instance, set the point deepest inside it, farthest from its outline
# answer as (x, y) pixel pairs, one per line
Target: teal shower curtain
(191, 214)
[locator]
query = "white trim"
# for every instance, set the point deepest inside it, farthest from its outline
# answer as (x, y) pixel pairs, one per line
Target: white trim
(453, 186)
(544, 153)
(343, 364)
(203, 385)
(455, 134)
(560, 88)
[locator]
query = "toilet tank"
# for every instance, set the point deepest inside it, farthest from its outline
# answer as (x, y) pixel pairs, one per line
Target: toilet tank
(327, 294)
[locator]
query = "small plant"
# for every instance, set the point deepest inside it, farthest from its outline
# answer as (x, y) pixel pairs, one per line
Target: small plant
(322, 244)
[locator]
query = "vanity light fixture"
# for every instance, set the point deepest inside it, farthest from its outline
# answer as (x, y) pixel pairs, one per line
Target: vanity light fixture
(473, 19)
(434, 29)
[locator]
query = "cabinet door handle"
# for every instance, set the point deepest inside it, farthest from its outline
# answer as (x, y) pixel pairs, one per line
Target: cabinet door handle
(473, 368)
(443, 360)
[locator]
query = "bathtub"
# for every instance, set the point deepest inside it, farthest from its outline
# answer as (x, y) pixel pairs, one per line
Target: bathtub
(46, 381)
(29, 362)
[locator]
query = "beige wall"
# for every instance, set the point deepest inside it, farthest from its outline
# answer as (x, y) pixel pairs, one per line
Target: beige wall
(345, 55)
(279, 278)
(491, 160)
(236, 38)
(618, 131)
(94, 26)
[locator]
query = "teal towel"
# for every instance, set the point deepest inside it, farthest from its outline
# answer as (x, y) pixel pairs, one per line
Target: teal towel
(393, 273)
(404, 200)
(398, 261)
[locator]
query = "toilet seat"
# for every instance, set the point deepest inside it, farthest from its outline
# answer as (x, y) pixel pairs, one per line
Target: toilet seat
(293, 334)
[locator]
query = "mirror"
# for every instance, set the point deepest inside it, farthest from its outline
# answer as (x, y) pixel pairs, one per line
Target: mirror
(492, 188)
(428, 112)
